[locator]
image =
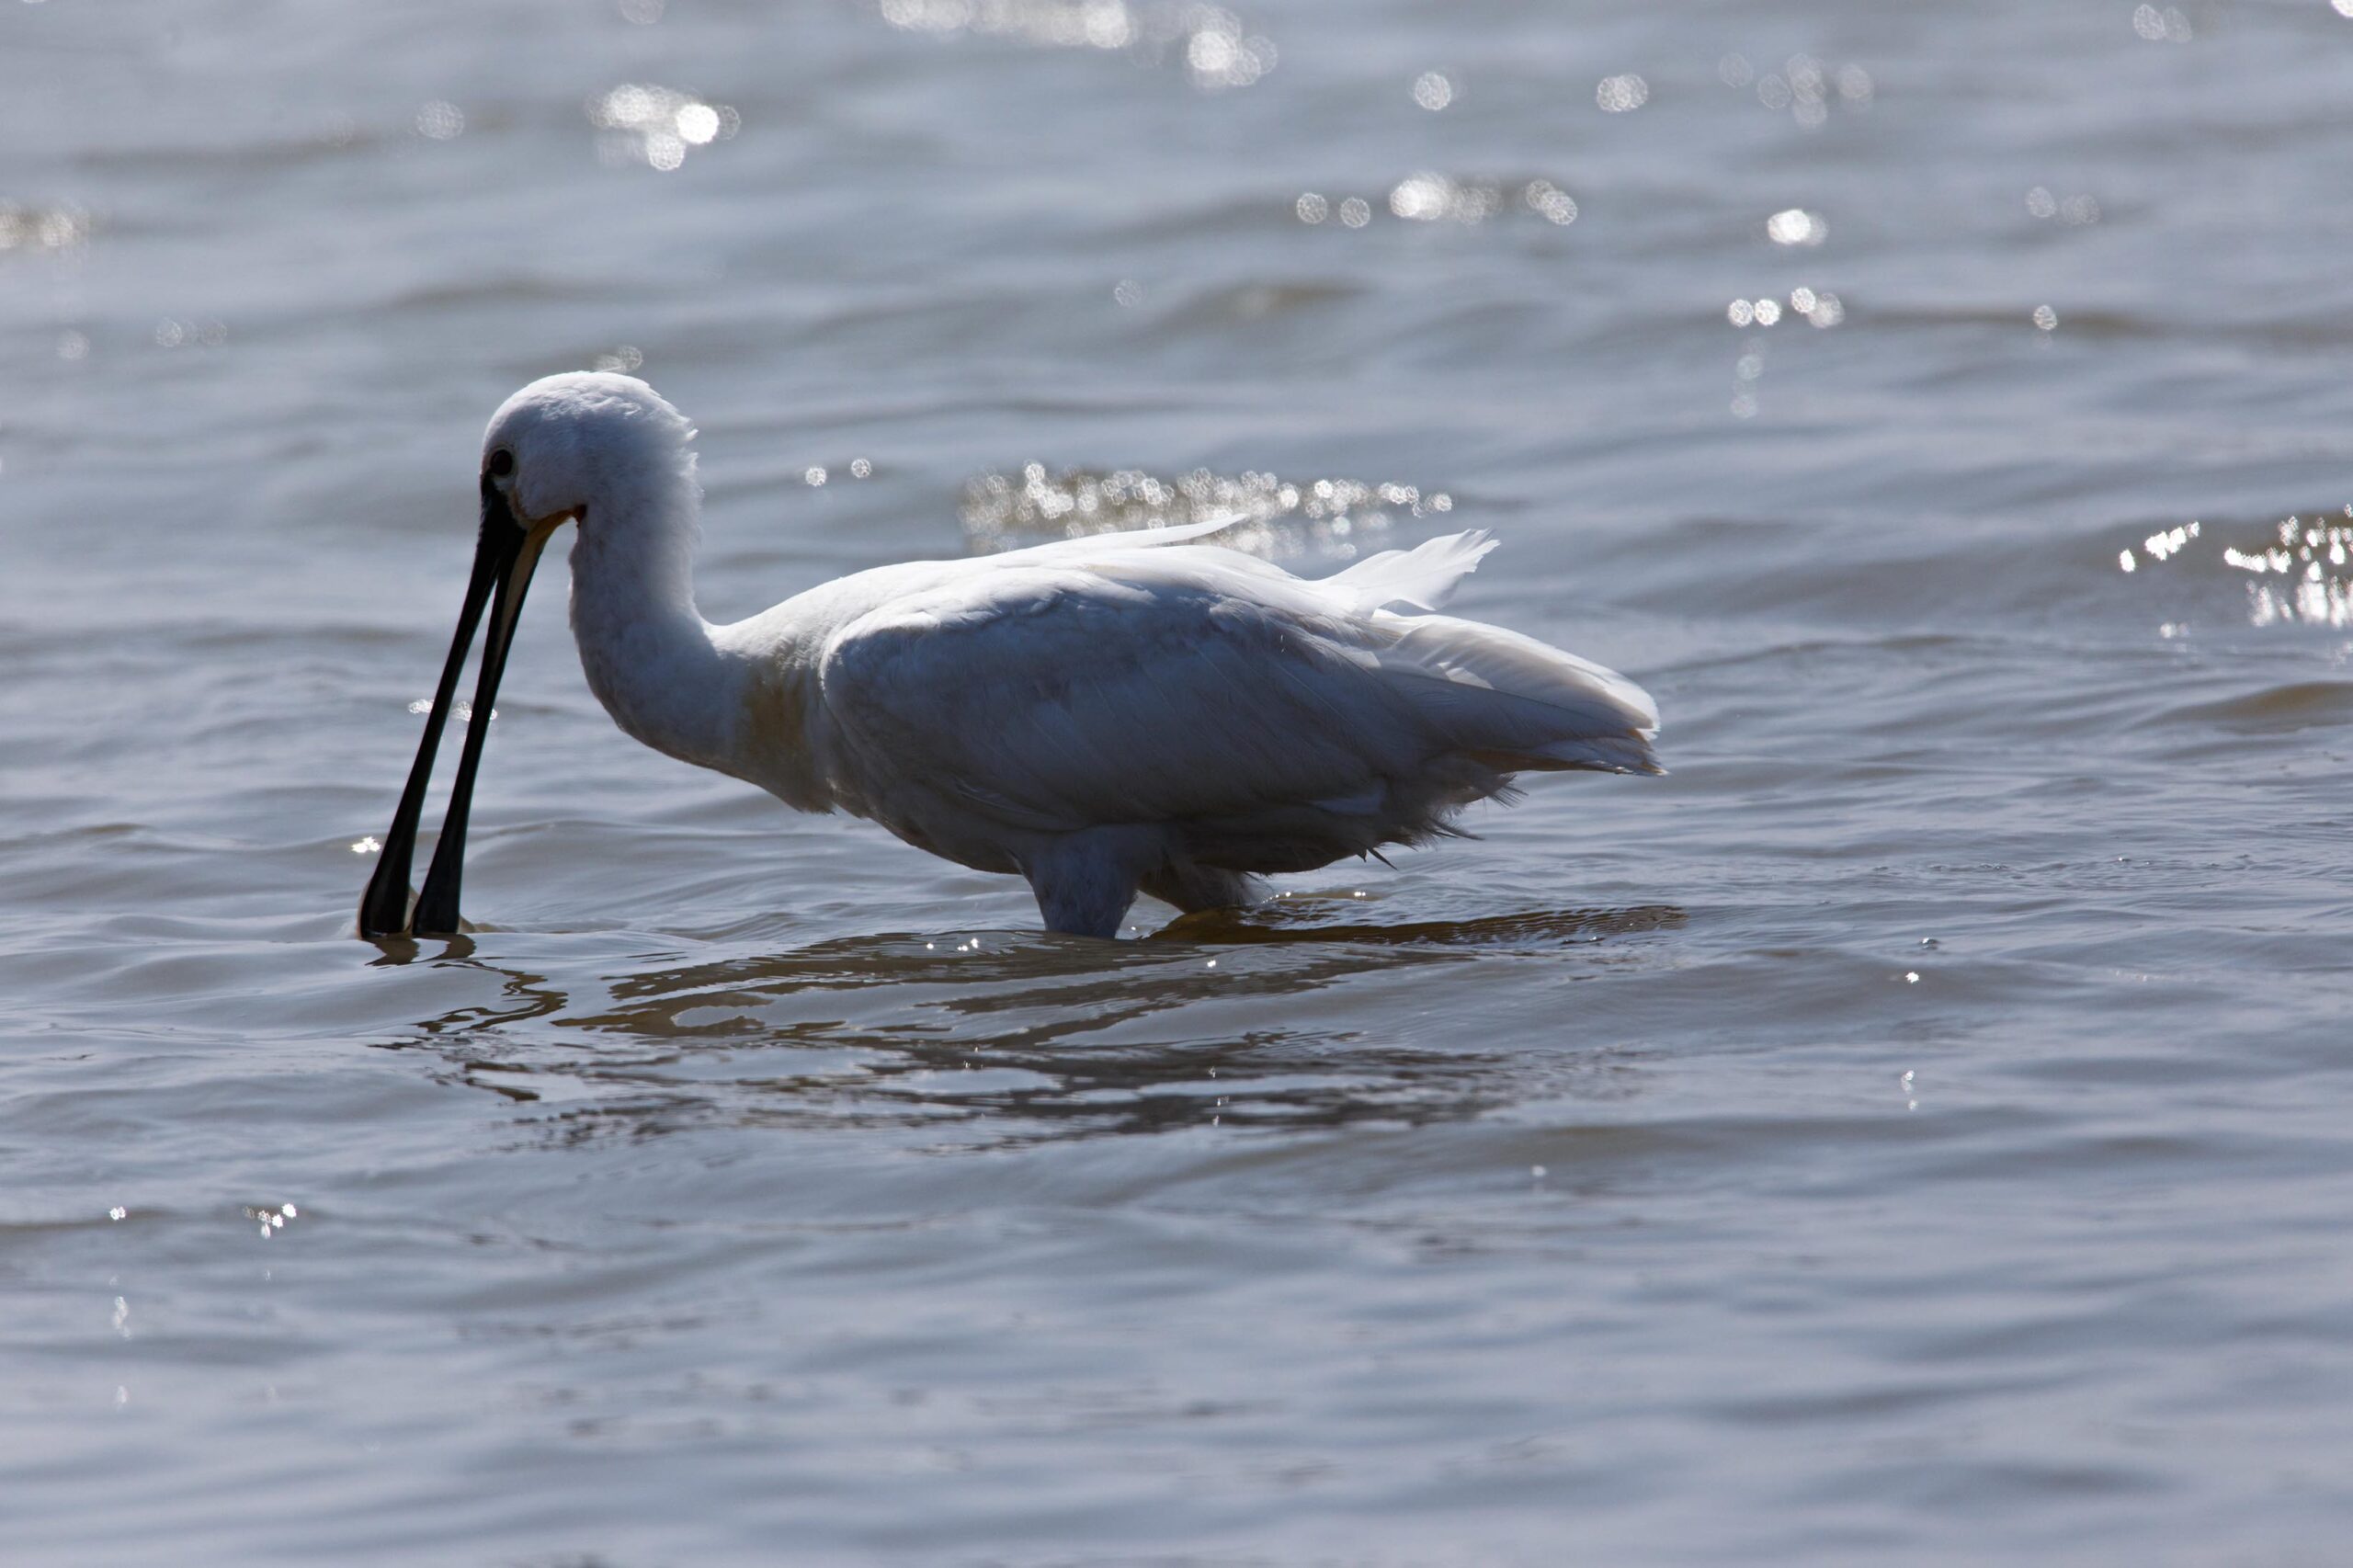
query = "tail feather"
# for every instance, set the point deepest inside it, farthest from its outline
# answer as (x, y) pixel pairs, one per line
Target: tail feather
(1515, 703)
(1421, 578)
(1600, 753)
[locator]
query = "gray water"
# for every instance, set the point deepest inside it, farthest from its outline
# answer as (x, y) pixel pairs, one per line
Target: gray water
(1915, 1130)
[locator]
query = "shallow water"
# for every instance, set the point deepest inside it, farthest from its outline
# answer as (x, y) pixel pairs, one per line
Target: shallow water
(1915, 1130)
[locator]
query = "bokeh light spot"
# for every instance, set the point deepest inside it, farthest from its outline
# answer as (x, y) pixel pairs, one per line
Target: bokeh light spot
(440, 121)
(1621, 95)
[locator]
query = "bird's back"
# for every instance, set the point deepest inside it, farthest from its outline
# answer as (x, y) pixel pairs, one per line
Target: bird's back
(1259, 722)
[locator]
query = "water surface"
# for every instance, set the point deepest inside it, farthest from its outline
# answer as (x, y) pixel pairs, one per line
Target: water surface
(1915, 1129)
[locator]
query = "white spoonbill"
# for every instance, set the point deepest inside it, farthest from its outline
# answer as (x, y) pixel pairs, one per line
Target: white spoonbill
(1101, 715)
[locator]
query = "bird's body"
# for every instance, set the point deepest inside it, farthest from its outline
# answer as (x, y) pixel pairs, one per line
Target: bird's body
(1101, 715)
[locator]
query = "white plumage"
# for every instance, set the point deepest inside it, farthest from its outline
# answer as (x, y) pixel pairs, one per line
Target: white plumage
(1102, 715)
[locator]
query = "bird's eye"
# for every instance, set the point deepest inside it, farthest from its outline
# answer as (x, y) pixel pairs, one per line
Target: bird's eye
(502, 464)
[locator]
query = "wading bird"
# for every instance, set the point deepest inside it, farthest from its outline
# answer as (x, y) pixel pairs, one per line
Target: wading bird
(1124, 713)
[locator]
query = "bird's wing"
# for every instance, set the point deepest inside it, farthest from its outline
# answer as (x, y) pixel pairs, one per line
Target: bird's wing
(1132, 538)
(1112, 687)
(1421, 578)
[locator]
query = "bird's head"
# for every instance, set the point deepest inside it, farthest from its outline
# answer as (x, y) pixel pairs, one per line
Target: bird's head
(580, 447)
(566, 442)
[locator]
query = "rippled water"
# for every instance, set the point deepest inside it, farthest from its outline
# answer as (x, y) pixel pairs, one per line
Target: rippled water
(1915, 1130)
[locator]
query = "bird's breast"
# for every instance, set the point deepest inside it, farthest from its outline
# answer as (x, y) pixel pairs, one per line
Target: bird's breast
(782, 741)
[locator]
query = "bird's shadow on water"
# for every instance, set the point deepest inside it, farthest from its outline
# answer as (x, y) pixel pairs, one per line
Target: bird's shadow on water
(1306, 918)
(997, 1038)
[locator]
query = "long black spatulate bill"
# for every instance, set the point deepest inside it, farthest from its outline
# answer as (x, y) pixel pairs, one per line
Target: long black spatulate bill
(437, 906)
(503, 557)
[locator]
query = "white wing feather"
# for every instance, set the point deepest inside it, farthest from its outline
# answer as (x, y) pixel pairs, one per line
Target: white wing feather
(1090, 681)
(1422, 578)
(1132, 538)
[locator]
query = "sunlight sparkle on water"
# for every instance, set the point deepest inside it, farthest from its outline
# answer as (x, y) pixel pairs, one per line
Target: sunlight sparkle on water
(440, 121)
(2301, 571)
(1796, 226)
(170, 334)
(1555, 204)
(2168, 26)
(270, 1221)
(1818, 307)
(55, 228)
(655, 126)
(1621, 95)
(2074, 211)
(1217, 49)
(463, 713)
(1804, 87)
(1334, 517)
(1427, 197)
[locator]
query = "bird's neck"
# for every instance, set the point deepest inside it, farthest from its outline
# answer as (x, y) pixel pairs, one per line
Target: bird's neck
(647, 651)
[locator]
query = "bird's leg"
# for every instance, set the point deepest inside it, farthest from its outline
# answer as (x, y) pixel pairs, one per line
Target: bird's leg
(1084, 881)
